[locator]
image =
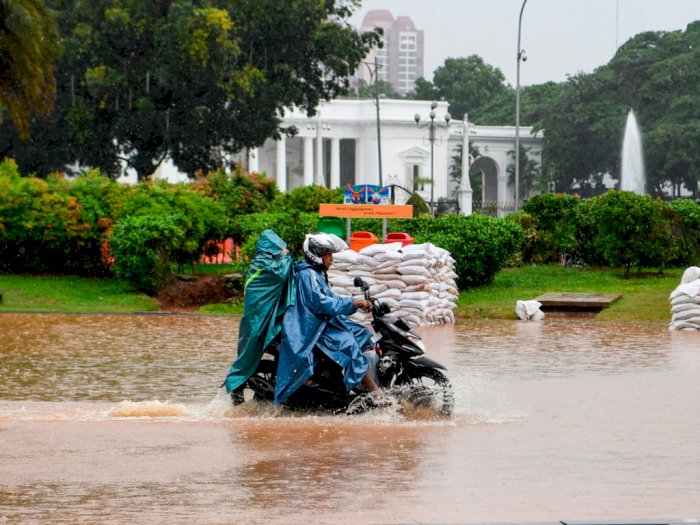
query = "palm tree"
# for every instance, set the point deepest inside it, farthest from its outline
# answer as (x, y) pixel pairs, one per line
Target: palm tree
(29, 43)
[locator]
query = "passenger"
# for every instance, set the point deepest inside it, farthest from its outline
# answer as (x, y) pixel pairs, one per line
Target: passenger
(319, 319)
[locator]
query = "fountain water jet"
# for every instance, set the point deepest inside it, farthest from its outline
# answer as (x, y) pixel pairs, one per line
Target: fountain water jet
(632, 176)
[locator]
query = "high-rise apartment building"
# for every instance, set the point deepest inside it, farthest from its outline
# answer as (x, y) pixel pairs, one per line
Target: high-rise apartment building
(400, 60)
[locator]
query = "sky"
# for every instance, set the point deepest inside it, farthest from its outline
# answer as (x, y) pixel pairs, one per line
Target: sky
(560, 37)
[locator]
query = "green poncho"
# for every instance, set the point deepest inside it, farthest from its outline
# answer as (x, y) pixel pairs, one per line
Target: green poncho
(269, 289)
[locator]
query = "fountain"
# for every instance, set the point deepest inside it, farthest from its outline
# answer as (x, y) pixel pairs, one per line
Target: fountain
(632, 177)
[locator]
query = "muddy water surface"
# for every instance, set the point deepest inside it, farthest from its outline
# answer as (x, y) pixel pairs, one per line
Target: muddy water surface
(118, 419)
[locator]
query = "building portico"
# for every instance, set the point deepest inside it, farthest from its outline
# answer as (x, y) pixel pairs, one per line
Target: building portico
(338, 146)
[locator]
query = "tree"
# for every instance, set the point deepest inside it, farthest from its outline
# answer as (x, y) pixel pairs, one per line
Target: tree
(192, 79)
(29, 44)
(530, 173)
(468, 84)
(384, 88)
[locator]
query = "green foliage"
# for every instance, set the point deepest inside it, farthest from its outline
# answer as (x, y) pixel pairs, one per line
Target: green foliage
(307, 199)
(684, 215)
(291, 226)
(187, 79)
(142, 245)
(239, 192)
(420, 207)
(28, 47)
(555, 224)
(43, 227)
(481, 245)
(198, 217)
(630, 230)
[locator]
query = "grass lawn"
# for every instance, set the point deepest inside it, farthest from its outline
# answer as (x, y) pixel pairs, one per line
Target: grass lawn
(644, 297)
(31, 293)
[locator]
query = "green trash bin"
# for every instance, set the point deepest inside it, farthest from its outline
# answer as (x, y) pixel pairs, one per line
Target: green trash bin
(334, 225)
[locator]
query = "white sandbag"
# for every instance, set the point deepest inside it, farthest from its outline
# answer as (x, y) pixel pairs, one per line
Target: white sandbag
(376, 248)
(412, 303)
(386, 276)
(414, 279)
(684, 299)
(396, 283)
(391, 270)
(685, 325)
(377, 289)
(345, 256)
(388, 257)
(690, 274)
(422, 287)
(425, 263)
(529, 310)
(687, 315)
(413, 270)
(684, 307)
(339, 280)
(341, 291)
(391, 302)
(370, 262)
(389, 292)
(691, 289)
(417, 296)
(409, 256)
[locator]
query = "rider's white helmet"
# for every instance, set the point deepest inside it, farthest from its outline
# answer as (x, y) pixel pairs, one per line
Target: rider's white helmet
(317, 244)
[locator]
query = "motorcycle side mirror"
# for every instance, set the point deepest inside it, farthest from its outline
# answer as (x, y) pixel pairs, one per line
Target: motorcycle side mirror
(360, 284)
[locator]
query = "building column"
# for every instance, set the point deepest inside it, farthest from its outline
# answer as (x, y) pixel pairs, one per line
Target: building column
(253, 160)
(335, 163)
(308, 161)
(281, 174)
(503, 196)
(465, 186)
(319, 180)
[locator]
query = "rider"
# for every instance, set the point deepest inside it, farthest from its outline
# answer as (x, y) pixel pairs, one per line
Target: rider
(319, 319)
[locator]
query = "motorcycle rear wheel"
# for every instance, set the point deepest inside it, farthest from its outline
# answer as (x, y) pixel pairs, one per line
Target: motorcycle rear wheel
(430, 388)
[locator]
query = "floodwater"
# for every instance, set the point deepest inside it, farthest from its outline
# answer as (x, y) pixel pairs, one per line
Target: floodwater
(119, 419)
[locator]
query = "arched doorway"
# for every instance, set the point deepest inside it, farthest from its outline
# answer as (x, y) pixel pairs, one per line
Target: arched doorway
(489, 185)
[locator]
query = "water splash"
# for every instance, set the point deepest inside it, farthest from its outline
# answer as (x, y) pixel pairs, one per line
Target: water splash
(632, 176)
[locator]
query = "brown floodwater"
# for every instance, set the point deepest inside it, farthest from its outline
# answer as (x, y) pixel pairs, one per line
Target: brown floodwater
(119, 419)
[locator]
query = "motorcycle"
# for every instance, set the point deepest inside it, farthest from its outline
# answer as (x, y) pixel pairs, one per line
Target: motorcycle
(404, 372)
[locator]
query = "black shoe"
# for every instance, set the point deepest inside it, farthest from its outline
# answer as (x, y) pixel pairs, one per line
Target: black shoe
(237, 396)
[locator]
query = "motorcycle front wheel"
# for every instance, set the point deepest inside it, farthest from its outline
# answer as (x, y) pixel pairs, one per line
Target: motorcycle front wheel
(428, 387)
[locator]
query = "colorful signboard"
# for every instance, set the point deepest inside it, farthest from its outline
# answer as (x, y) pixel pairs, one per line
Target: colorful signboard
(367, 194)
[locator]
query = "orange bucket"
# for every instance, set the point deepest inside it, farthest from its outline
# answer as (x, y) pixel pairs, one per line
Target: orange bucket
(359, 240)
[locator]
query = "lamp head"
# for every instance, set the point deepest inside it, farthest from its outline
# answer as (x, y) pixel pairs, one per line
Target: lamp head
(417, 118)
(448, 117)
(433, 104)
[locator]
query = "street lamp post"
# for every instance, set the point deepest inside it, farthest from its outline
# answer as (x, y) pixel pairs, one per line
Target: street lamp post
(431, 125)
(374, 74)
(521, 56)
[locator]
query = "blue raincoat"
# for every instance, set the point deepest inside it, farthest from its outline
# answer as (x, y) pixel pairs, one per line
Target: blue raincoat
(318, 318)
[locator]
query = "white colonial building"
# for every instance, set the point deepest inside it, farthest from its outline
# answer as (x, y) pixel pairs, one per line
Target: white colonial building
(338, 146)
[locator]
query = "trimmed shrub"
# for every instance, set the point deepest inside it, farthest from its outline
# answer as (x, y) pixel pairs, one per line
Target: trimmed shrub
(553, 237)
(630, 230)
(684, 215)
(142, 245)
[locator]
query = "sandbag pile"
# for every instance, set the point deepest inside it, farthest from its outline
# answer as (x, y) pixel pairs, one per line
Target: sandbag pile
(685, 302)
(417, 281)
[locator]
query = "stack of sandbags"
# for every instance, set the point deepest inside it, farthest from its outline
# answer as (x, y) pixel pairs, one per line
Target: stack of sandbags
(685, 302)
(417, 281)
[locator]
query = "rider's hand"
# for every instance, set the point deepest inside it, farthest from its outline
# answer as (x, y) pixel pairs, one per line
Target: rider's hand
(362, 304)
